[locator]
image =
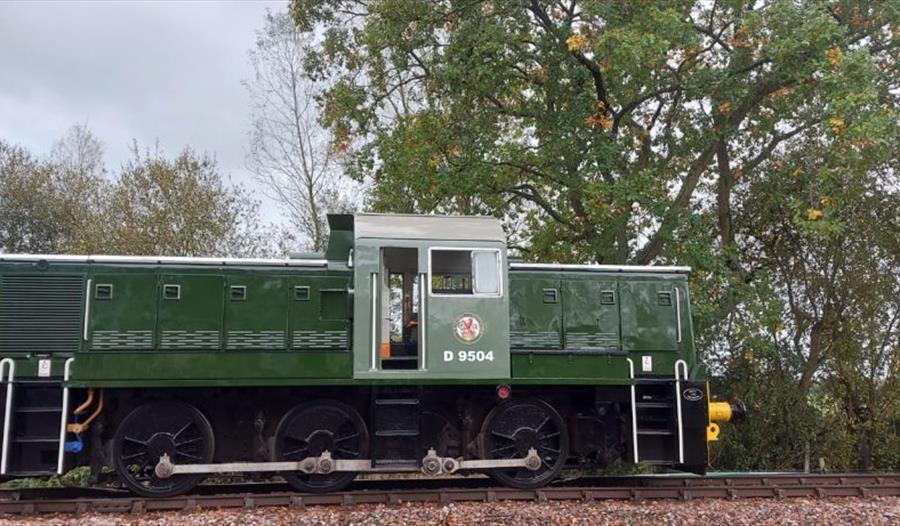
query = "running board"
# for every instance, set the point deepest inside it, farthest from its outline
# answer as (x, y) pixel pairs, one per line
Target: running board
(324, 464)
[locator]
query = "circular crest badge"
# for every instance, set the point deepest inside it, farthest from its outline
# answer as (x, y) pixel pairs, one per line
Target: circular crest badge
(467, 328)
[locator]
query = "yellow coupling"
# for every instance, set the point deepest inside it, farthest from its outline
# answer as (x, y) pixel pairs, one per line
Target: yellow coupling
(721, 412)
(718, 412)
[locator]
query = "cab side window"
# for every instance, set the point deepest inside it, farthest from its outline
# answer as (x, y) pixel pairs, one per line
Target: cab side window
(465, 272)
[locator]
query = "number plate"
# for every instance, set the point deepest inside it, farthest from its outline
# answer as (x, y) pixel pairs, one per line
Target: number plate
(469, 356)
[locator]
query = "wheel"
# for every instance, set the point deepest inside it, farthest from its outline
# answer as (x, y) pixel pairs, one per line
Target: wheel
(311, 428)
(514, 427)
(177, 429)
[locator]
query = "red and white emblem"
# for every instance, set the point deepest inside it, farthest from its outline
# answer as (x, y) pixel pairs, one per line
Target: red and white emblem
(467, 328)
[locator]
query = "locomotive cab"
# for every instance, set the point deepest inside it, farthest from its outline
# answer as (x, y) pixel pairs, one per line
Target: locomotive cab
(430, 298)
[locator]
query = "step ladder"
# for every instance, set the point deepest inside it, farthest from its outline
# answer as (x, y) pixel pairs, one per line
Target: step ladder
(656, 419)
(394, 440)
(34, 422)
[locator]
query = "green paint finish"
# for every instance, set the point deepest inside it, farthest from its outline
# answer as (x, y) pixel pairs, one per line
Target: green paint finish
(192, 366)
(340, 237)
(154, 324)
(256, 311)
(445, 353)
(638, 313)
(452, 319)
(591, 312)
(27, 366)
(125, 318)
(649, 315)
(318, 313)
(190, 311)
(570, 367)
(535, 311)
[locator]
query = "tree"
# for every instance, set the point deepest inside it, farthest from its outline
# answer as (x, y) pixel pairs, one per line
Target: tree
(50, 205)
(28, 222)
(289, 152)
(79, 151)
(81, 179)
(68, 204)
(179, 207)
(604, 124)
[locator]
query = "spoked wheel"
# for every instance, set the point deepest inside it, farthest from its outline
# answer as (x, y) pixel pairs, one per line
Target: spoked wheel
(311, 428)
(514, 427)
(177, 429)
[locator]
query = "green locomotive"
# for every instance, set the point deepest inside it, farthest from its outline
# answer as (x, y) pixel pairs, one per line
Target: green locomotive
(411, 344)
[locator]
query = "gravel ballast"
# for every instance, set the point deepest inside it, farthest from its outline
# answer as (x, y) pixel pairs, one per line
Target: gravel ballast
(788, 512)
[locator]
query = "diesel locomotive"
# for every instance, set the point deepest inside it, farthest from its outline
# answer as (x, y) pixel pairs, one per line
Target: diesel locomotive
(412, 344)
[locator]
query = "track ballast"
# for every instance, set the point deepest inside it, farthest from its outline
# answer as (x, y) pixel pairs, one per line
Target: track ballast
(252, 495)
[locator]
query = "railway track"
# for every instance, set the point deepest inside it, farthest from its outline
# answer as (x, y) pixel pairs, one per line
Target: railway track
(253, 495)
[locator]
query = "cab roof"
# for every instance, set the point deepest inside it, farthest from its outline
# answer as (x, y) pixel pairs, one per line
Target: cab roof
(413, 226)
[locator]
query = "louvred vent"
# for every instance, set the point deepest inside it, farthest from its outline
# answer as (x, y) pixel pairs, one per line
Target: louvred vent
(41, 312)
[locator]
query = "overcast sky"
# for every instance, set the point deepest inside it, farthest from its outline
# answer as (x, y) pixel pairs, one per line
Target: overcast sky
(170, 71)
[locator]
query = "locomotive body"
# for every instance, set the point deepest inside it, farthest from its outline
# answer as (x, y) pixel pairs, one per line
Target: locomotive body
(411, 344)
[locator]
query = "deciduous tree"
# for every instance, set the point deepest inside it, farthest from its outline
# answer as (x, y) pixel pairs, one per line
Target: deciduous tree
(289, 151)
(179, 207)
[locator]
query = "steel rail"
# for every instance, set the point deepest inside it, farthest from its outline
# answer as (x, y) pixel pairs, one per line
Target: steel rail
(27, 502)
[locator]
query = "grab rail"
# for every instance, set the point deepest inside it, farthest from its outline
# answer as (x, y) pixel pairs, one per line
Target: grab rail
(64, 417)
(7, 411)
(634, 434)
(680, 364)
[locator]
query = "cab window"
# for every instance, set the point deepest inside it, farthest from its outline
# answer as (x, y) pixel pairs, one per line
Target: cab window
(465, 272)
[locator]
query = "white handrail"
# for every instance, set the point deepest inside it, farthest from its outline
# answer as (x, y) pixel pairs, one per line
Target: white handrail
(373, 292)
(678, 315)
(683, 365)
(680, 365)
(634, 435)
(423, 319)
(87, 310)
(7, 412)
(63, 419)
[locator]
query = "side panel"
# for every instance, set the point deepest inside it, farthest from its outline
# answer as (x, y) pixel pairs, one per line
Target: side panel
(591, 313)
(319, 313)
(535, 312)
(256, 311)
(569, 368)
(123, 311)
(210, 368)
(190, 311)
(649, 318)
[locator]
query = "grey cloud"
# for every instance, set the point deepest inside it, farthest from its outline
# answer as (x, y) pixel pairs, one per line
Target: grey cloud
(142, 70)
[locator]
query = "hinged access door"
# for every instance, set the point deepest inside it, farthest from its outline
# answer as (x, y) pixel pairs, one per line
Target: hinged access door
(651, 312)
(535, 312)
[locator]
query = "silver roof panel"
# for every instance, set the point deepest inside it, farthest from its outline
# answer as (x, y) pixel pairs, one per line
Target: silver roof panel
(599, 268)
(443, 228)
(164, 260)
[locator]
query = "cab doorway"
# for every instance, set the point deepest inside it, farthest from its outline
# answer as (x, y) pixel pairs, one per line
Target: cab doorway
(400, 329)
